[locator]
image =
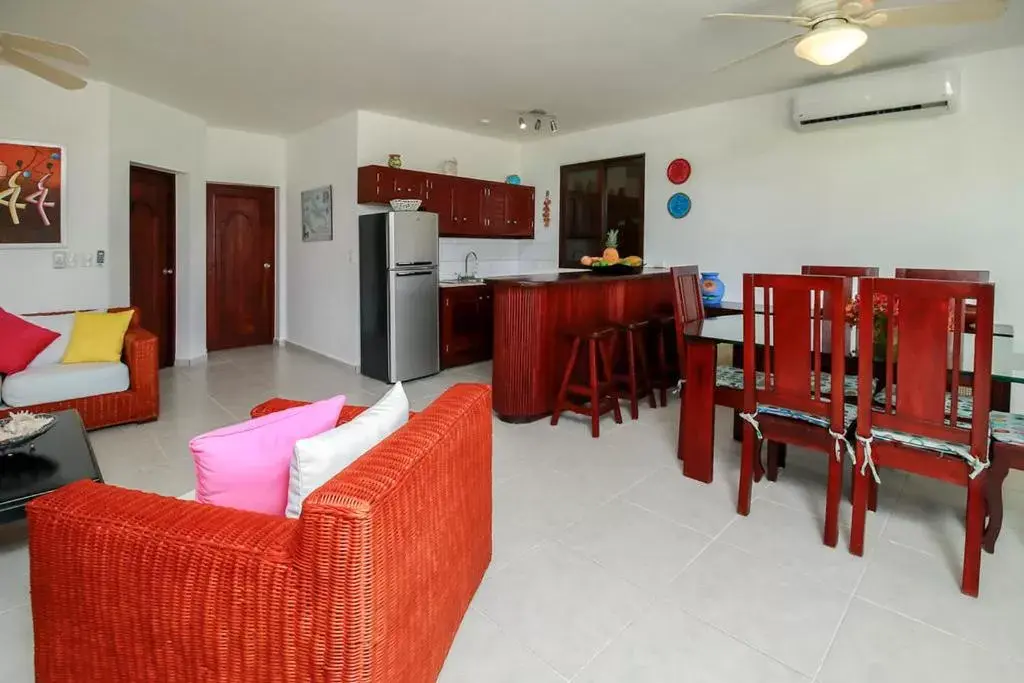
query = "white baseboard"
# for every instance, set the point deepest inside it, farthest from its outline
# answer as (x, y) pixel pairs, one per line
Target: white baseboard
(306, 349)
(187, 362)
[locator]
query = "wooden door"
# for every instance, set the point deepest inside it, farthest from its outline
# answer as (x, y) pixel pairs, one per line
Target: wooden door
(151, 255)
(240, 232)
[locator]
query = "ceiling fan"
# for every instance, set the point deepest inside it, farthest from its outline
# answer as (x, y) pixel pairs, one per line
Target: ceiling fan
(14, 46)
(835, 29)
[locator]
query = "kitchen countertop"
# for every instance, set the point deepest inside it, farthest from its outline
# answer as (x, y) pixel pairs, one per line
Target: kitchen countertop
(568, 278)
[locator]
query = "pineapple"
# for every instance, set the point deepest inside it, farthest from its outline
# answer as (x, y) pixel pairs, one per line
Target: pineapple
(611, 252)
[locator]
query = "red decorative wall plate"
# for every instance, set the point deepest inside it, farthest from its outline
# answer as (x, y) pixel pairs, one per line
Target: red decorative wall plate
(679, 171)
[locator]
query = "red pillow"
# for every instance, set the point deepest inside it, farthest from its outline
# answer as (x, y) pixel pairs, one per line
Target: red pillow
(20, 342)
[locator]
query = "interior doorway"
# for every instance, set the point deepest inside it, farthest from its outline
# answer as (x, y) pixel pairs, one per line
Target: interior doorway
(241, 230)
(152, 255)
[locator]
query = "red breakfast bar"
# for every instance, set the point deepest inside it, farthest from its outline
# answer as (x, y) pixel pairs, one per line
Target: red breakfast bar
(530, 354)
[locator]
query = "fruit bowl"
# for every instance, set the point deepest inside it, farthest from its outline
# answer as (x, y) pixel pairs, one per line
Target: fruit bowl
(406, 204)
(616, 269)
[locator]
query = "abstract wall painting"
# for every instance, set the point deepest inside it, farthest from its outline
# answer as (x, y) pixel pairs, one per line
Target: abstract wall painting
(32, 198)
(317, 215)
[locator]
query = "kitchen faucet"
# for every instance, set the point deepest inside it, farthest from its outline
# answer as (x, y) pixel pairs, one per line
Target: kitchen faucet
(467, 274)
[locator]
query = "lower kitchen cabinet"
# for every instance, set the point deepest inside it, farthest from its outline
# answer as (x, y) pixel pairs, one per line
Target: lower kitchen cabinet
(467, 325)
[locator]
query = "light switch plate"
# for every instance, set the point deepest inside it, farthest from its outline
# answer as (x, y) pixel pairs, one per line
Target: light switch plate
(70, 260)
(60, 259)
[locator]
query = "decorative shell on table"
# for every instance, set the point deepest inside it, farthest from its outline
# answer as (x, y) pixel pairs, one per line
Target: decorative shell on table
(22, 427)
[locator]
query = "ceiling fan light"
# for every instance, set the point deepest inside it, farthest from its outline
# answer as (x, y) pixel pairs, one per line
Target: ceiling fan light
(828, 45)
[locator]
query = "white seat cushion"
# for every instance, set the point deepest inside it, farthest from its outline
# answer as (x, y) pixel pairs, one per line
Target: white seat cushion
(58, 382)
(317, 459)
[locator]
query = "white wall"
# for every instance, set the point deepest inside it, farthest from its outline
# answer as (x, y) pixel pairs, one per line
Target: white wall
(240, 158)
(323, 277)
(35, 111)
(943, 192)
(424, 148)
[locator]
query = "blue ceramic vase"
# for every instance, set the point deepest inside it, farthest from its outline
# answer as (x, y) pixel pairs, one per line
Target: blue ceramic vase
(713, 289)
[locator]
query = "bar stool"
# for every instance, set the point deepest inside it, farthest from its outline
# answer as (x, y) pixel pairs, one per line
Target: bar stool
(665, 374)
(636, 377)
(599, 395)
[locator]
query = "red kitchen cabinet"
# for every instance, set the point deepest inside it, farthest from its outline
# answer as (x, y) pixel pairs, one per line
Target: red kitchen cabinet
(466, 207)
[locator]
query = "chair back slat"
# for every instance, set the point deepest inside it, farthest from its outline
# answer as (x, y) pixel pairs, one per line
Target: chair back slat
(942, 274)
(923, 356)
(797, 335)
(687, 306)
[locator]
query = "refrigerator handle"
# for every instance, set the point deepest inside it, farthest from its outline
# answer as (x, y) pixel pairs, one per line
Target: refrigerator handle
(411, 273)
(414, 263)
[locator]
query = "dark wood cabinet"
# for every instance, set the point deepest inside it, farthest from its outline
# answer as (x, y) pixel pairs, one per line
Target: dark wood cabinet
(467, 325)
(467, 207)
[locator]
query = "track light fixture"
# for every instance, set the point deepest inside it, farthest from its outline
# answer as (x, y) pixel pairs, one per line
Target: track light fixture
(539, 118)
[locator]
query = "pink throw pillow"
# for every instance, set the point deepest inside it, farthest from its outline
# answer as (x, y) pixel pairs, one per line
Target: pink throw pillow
(21, 342)
(246, 466)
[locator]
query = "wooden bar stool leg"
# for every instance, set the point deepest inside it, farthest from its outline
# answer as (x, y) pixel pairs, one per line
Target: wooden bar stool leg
(634, 408)
(606, 361)
(663, 370)
(564, 389)
(595, 394)
(645, 370)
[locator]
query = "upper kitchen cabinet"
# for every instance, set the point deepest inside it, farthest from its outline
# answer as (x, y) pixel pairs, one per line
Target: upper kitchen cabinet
(466, 207)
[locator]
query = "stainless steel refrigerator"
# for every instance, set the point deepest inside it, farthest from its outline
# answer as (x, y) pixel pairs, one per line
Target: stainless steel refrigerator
(398, 295)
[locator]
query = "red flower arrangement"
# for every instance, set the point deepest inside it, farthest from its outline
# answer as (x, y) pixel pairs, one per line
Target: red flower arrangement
(879, 303)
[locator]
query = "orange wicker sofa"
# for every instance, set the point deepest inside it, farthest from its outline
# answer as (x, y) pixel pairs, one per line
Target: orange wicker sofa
(370, 583)
(141, 403)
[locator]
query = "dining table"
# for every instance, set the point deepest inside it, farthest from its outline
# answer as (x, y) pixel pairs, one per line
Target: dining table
(697, 410)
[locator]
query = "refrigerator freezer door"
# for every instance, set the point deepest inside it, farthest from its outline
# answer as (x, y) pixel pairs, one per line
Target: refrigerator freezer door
(413, 324)
(412, 239)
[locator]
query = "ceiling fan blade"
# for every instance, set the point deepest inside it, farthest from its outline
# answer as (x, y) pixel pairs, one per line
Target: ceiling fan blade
(42, 69)
(798, 21)
(47, 48)
(791, 39)
(940, 13)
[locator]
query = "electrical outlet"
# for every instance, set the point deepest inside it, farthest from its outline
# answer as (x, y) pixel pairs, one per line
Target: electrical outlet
(60, 259)
(101, 258)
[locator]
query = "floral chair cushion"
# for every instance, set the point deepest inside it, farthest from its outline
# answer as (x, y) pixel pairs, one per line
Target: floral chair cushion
(849, 415)
(1007, 428)
(732, 378)
(938, 445)
(964, 405)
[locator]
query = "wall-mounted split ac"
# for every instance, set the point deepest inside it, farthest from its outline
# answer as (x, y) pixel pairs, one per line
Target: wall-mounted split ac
(889, 95)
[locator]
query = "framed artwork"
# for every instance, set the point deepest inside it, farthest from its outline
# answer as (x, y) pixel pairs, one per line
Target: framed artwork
(32, 198)
(318, 214)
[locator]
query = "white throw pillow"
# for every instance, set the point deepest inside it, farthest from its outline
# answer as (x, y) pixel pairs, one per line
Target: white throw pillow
(61, 324)
(317, 459)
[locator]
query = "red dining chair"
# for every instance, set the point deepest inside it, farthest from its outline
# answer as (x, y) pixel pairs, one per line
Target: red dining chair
(800, 404)
(913, 431)
(939, 274)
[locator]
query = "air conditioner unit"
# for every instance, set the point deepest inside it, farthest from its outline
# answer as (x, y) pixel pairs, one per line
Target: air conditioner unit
(877, 97)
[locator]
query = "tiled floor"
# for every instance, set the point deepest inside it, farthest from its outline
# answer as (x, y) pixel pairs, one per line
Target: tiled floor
(610, 566)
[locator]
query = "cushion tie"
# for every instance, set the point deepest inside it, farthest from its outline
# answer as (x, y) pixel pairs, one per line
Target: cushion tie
(840, 438)
(868, 461)
(752, 419)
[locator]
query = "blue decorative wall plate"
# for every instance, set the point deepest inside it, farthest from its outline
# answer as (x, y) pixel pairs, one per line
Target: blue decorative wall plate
(679, 205)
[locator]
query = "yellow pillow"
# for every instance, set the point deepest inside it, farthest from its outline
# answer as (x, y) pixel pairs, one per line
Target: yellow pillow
(97, 337)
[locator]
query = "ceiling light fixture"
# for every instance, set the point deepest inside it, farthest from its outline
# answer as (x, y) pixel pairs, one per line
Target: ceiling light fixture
(485, 121)
(554, 125)
(537, 124)
(539, 117)
(830, 42)
(522, 123)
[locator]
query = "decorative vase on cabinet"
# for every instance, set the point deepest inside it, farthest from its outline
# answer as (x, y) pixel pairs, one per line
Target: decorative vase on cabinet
(395, 160)
(713, 289)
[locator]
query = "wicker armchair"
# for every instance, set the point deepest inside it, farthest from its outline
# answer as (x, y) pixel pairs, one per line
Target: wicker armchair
(369, 584)
(141, 403)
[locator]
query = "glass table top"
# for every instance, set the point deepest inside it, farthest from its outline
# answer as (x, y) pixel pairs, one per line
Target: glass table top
(1007, 366)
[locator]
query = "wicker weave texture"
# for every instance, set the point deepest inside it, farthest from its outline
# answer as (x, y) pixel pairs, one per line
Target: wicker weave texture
(369, 584)
(140, 403)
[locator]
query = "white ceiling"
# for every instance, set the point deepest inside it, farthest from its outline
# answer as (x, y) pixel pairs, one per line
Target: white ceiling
(279, 66)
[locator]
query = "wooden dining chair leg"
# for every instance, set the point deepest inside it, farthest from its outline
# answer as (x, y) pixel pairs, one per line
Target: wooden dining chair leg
(773, 460)
(833, 497)
(859, 493)
(663, 370)
(645, 370)
(737, 426)
(607, 353)
(749, 453)
(872, 494)
(563, 391)
(996, 475)
(975, 530)
(595, 393)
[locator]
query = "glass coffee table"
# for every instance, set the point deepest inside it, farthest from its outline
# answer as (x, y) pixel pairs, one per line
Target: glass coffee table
(60, 456)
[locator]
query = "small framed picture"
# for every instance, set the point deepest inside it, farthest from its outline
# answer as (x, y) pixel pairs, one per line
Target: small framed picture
(318, 214)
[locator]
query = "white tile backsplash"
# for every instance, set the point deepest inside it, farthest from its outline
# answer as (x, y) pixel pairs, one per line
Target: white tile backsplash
(496, 257)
